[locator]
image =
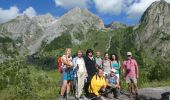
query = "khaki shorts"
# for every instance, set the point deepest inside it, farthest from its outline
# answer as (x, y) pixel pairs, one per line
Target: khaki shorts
(131, 80)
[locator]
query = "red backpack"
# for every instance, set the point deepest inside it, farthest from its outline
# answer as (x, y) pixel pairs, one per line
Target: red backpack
(59, 63)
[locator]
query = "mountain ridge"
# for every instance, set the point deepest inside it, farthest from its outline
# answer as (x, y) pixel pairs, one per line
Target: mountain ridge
(29, 33)
(45, 28)
(155, 30)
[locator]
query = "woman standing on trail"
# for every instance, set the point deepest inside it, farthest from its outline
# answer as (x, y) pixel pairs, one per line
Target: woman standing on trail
(80, 73)
(67, 72)
(106, 63)
(116, 64)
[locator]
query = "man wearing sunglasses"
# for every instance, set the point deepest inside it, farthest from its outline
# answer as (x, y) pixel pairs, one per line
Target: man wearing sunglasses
(131, 73)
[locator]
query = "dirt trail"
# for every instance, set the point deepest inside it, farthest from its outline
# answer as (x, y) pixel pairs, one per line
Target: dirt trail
(153, 93)
(144, 94)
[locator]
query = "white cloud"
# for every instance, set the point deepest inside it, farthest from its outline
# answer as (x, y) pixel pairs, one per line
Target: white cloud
(13, 11)
(30, 12)
(138, 7)
(109, 6)
(7, 14)
(72, 3)
(132, 8)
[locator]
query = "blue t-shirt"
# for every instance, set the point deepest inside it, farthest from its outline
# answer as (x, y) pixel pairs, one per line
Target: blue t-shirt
(112, 79)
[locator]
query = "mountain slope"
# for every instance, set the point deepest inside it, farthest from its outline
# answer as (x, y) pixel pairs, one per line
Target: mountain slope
(154, 29)
(149, 42)
(28, 34)
(116, 25)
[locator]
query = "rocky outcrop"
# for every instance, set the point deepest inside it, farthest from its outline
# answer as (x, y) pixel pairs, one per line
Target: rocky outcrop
(154, 30)
(29, 33)
(116, 25)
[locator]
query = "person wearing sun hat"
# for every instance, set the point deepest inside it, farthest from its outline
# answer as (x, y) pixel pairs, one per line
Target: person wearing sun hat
(113, 87)
(131, 73)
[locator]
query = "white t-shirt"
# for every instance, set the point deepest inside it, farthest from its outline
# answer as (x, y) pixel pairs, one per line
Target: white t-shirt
(80, 63)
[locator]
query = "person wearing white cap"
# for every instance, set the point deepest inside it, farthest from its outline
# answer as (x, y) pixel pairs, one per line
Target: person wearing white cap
(113, 87)
(131, 73)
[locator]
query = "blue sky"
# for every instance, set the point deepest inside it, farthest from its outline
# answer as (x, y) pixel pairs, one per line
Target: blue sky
(125, 11)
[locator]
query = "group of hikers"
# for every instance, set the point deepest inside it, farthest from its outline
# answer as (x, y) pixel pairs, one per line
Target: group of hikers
(95, 76)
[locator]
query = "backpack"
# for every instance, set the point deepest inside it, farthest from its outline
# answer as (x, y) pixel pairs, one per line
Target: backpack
(59, 63)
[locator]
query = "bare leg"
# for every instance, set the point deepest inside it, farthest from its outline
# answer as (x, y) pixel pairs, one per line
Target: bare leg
(136, 89)
(68, 87)
(63, 88)
(130, 88)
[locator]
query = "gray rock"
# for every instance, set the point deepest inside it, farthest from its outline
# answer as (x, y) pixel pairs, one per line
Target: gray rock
(116, 25)
(29, 33)
(154, 29)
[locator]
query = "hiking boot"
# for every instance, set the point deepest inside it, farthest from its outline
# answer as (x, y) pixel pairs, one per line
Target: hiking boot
(82, 97)
(69, 97)
(61, 98)
(77, 98)
(118, 98)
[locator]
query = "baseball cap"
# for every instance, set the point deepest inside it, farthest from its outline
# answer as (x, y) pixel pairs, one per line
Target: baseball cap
(129, 53)
(113, 70)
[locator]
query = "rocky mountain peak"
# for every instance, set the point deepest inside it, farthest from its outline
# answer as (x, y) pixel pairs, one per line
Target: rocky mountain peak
(116, 25)
(44, 20)
(156, 13)
(155, 28)
(81, 16)
(23, 17)
(29, 33)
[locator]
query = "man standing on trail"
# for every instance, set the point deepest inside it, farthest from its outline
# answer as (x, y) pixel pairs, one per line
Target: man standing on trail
(131, 73)
(98, 59)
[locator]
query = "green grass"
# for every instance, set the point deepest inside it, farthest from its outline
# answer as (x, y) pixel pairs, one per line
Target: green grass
(54, 75)
(44, 85)
(155, 84)
(19, 80)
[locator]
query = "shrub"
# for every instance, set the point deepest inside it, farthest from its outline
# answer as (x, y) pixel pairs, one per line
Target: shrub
(25, 81)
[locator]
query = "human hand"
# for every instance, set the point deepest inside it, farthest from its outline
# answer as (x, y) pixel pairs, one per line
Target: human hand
(137, 76)
(86, 75)
(117, 86)
(98, 96)
(124, 78)
(102, 88)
